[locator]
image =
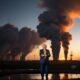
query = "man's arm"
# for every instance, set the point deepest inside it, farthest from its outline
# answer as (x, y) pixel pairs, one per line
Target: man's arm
(41, 55)
(48, 53)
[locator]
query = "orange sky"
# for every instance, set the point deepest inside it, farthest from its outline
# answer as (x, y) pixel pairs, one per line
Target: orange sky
(34, 55)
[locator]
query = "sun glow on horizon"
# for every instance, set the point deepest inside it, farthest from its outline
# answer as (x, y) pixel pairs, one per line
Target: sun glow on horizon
(34, 55)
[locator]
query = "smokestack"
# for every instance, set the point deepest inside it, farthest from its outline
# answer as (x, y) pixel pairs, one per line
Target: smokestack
(55, 21)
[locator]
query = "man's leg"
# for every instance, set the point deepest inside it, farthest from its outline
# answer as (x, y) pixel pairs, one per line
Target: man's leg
(42, 71)
(46, 70)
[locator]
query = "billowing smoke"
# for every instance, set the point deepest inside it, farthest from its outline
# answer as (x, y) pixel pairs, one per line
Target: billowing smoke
(62, 20)
(56, 20)
(51, 32)
(58, 8)
(8, 39)
(14, 42)
(66, 38)
(28, 40)
(62, 7)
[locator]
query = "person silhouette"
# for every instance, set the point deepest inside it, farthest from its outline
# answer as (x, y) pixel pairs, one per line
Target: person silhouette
(44, 61)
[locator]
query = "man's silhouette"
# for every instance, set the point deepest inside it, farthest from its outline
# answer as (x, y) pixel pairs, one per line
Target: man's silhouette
(44, 61)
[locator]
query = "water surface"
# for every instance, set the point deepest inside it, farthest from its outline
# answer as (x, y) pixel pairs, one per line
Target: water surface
(38, 77)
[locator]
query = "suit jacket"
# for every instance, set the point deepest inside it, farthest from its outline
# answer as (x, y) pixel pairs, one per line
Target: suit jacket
(46, 60)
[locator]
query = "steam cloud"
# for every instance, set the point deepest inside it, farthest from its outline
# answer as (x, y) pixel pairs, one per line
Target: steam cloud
(55, 22)
(13, 41)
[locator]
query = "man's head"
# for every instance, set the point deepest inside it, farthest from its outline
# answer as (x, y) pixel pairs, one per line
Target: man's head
(44, 46)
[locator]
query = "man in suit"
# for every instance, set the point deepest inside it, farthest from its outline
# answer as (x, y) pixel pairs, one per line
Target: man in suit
(44, 61)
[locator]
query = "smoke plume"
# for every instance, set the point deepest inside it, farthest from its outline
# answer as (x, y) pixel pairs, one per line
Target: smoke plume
(14, 42)
(62, 7)
(57, 18)
(28, 40)
(8, 39)
(66, 38)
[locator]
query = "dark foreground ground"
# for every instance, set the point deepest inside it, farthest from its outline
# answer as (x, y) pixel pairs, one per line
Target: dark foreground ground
(14, 68)
(33, 67)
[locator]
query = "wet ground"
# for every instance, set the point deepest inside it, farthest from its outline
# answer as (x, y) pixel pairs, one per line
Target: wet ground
(38, 77)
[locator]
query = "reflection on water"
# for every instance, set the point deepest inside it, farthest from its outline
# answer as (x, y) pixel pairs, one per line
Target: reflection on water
(38, 77)
(55, 77)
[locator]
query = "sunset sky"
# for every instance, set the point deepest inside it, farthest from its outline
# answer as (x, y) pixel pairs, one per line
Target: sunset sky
(25, 12)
